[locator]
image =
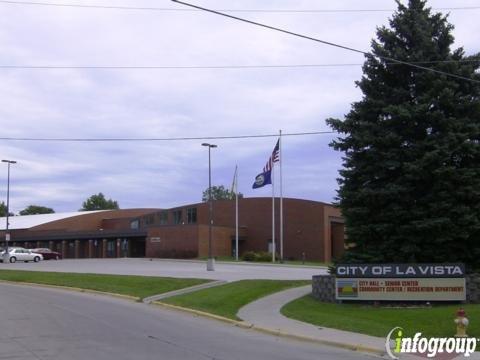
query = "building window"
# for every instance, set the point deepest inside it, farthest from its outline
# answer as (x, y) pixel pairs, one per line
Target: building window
(134, 224)
(163, 217)
(192, 216)
(111, 248)
(149, 220)
(177, 217)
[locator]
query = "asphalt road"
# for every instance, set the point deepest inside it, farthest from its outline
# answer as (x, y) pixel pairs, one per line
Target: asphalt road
(38, 323)
(172, 268)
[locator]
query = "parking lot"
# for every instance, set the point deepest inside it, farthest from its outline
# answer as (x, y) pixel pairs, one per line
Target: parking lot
(172, 268)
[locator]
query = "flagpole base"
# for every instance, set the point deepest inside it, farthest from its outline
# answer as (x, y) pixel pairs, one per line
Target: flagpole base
(211, 264)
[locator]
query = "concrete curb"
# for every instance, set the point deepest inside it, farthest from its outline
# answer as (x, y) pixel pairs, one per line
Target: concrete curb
(247, 325)
(240, 263)
(69, 288)
(316, 267)
(338, 344)
(240, 324)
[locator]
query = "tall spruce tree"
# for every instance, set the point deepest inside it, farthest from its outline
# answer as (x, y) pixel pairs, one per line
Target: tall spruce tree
(410, 183)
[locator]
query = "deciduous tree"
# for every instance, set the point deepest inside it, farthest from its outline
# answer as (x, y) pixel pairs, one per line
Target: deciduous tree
(3, 210)
(220, 193)
(99, 202)
(36, 209)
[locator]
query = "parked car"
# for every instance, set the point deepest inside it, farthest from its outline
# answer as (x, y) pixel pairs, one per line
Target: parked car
(20, 254)
(10, 248)
(48, 254)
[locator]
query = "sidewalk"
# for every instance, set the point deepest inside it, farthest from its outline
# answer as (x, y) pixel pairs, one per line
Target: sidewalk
(187, 290)
(264, 314)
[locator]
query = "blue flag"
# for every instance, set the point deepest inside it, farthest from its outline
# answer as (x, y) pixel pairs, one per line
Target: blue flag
(262, 179)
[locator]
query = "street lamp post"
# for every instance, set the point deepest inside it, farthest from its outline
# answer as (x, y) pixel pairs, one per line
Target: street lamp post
(7, 234)
(211, 260)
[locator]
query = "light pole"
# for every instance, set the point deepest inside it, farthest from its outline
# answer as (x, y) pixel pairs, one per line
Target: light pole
(211, 260)
(7, 234)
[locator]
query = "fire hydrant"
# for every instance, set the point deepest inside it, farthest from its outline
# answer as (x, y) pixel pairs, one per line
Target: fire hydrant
(462, 323)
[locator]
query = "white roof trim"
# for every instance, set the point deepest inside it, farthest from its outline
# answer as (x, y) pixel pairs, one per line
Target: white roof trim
(28, 221)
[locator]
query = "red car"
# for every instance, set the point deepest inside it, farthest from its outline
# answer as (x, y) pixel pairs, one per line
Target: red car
(48, 254)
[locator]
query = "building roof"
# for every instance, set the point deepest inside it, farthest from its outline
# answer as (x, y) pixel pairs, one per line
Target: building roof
(28, 221)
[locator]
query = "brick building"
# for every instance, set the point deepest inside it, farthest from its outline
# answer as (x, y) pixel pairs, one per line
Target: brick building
(310, 227)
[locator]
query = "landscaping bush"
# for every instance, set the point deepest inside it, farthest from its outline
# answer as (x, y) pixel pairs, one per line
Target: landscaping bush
(249, 256)
(257, 256)
(263, 256)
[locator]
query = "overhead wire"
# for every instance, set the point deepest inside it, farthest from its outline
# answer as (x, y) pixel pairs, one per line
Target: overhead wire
(184, 138)
(329, 43)
(152, 8)
(198, 8)
(187, 67)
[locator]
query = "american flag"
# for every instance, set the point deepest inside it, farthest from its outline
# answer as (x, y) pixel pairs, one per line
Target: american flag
(274, 158)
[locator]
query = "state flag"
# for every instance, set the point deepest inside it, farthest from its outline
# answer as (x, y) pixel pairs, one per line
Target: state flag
(262, 179)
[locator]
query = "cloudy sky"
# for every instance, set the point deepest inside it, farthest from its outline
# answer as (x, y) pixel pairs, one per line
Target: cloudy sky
(166, 103)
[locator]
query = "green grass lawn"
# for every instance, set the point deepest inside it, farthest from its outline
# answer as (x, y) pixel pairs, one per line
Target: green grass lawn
(137, 286)
(378, 321)
(226, 300)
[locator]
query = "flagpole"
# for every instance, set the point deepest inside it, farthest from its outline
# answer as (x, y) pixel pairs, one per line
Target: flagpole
(281, 198)
(236, 213)
(273, 212)
(267, 177)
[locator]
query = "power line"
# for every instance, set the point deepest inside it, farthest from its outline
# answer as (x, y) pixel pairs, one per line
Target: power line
(300, 11)
(90, 140)
(187, 67)
(325, 42)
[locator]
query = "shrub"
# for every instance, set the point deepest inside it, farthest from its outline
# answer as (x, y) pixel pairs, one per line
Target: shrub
(263, 256)
(249, 256)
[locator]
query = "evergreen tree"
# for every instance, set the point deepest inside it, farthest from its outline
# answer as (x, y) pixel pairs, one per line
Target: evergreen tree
(410, 183)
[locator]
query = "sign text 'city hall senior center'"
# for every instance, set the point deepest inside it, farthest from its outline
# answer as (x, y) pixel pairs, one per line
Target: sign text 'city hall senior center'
(401, 282)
